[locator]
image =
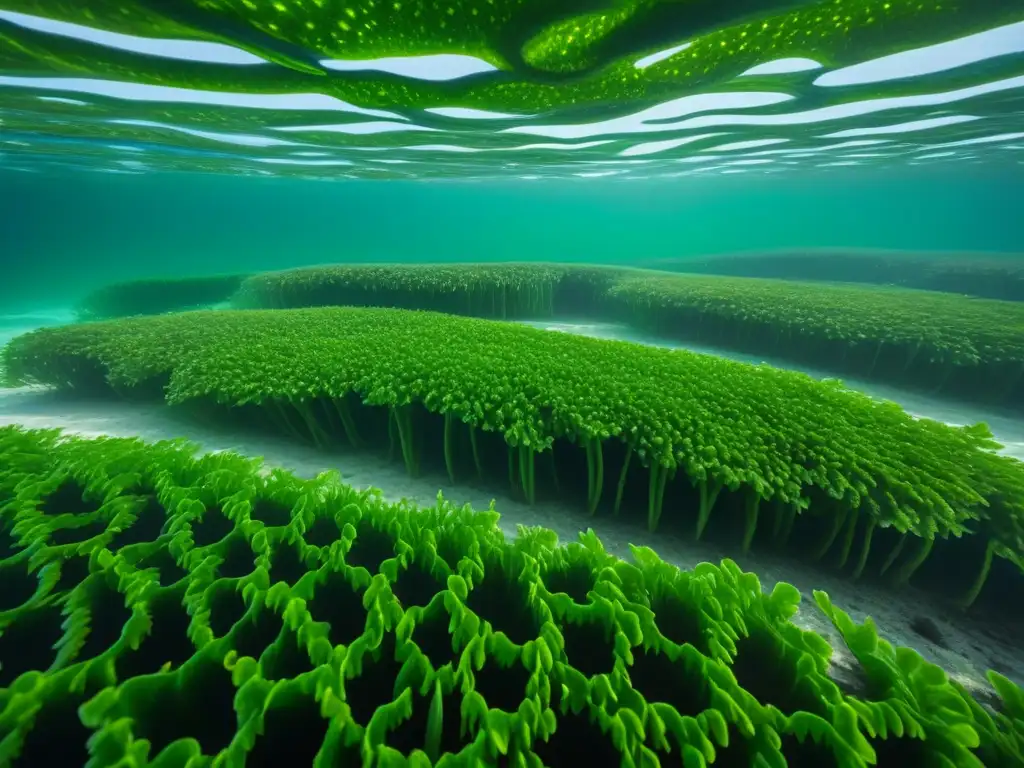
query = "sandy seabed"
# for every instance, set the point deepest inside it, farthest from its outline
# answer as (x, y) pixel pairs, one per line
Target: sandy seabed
(971, 645)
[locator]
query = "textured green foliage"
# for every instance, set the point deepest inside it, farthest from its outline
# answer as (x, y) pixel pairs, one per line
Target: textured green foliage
(974, 274)
(939, 340)
(226, 612)
(702, 426)
(503, 291)
(156, 296)
(948, 344)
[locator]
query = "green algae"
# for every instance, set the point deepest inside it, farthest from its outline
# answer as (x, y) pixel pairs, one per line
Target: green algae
(711, 438)
(494, 651)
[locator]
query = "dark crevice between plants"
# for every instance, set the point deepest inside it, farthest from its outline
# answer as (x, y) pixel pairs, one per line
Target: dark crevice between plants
(59, 537)
(502, 687)
(107, 616)
(434, 640)
(370, 548)
(808, 754)
(901, 752)
(772, 678)
(58, 736)
(271, 513)
(502, 601)
(287, 659)
(17, 585)
(416, 586)
(73, 571)
(678, 622)
(238, 558)
(576, 581)
(658, 679)
(449, 551)
(374, 687)
(286, 564)
(213, 527)
(28, 643)
(293, 734)
(226, 608)
(414, 733)
(577, 740)
(148, 526)
(340, 606)
(167, 640)
(322, 533)
(68, 498)
(736, 755)
(8, 544)
(256, 632)
(201, 707)
(162, 559)
(589, 646)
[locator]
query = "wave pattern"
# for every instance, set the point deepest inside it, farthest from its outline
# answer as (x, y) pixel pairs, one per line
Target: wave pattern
(474, 89)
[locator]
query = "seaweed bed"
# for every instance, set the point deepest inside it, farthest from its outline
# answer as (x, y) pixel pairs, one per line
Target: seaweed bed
(164, 607)
(988, 275)
(671, 437)
(956, 346)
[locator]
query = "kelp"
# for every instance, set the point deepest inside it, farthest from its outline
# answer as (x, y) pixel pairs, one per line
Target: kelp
(411, 636)
(699, 431)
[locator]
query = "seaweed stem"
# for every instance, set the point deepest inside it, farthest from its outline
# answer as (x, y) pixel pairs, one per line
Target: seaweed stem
(622, 479)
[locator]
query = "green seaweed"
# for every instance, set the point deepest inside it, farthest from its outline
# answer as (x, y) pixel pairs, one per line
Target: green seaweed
(385, 650)
(702, 426)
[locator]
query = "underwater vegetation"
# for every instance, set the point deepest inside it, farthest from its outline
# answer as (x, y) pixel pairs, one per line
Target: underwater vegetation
(947, 344)
(160, 607)
(506, 88)
(672, 436)
(155, 296)
(541, 54)
(982, 274)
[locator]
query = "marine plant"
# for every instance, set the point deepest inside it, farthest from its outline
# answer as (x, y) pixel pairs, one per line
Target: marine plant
(163, 608)
(677, 437)
(501, 291)
(944, 343)
(154, 296)
(986, 275)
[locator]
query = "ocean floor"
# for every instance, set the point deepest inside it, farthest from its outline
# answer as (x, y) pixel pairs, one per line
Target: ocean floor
(969, 645)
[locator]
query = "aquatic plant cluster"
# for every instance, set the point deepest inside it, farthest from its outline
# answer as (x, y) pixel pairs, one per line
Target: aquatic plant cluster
(507, 88)
(159, 606)
(972, 274)
(553, 413)
(973, 348)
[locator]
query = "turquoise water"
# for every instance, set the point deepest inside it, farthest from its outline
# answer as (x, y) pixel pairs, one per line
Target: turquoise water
(66, 233)
(160, 139)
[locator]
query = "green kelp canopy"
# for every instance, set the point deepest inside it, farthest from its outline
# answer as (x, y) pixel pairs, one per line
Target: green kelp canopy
(766, 434)
(474, 89)
(160, 607)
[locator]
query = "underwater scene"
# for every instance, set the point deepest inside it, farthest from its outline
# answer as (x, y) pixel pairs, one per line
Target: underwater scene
(517, 383)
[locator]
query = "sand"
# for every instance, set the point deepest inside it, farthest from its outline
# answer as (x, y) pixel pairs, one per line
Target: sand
(972, 646)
